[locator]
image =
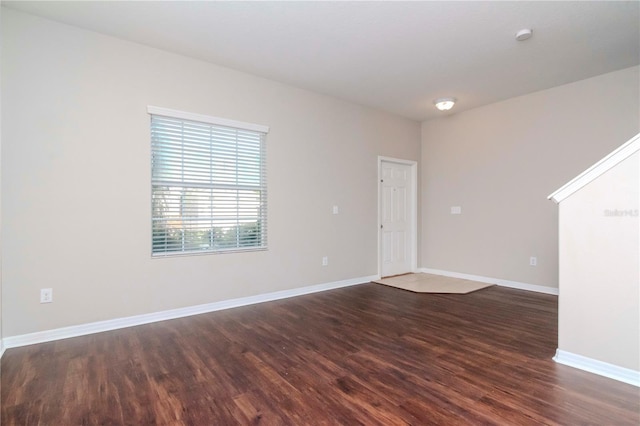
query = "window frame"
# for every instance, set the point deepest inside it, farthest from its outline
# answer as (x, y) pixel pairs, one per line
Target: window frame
(228, 125)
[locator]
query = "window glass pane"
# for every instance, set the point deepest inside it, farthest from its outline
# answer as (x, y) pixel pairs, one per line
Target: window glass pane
(208, 187)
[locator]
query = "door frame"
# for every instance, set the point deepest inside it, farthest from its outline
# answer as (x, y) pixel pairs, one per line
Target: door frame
(413, 209)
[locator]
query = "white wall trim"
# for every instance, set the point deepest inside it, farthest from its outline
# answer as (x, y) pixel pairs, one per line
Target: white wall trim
(497, 281)
(2, 348)
(114, 324)
(607, 163)
(184, 115)
(594, 366)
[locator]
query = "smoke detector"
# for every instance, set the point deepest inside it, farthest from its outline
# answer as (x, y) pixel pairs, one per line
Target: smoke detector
(524, 34)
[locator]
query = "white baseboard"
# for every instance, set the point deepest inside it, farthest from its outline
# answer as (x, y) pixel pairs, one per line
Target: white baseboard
(591, 365)
(2, 348)
(497, 281)
(114, 324)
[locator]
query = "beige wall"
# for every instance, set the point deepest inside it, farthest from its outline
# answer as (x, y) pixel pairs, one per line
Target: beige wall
(501, 161)
(599, 313)
(76, 178)
(1, 333)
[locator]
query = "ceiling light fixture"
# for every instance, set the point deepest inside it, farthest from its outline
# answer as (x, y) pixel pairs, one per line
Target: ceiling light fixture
(523, 35)
(445, 104)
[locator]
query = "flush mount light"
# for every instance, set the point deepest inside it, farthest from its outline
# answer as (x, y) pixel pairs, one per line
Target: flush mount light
(445, 104)
(523, 35)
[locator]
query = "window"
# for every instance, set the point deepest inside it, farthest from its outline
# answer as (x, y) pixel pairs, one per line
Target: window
(208, 179)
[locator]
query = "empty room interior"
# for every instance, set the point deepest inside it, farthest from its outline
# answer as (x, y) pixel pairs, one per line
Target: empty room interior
(264, 212)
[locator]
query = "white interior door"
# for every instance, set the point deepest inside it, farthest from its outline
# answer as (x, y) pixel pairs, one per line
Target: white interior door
(396, 220)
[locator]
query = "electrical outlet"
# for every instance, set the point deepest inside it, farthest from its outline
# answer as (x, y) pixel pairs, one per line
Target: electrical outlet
(46, 295)
(533, 261)
(456, 210)
(325, 261)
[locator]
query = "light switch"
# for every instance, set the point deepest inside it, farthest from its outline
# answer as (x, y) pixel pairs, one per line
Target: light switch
(335, 210)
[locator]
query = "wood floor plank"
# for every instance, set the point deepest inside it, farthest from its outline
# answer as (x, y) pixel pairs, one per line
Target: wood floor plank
(368, 354)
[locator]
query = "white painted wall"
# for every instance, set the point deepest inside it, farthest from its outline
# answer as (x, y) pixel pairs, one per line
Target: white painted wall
(76, 178)
(501, 161)
(599, 312)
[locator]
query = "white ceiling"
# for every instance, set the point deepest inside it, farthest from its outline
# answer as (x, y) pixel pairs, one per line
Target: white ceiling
(396, 56)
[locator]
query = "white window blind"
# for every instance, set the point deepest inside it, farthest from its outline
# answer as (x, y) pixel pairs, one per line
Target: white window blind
(209, 191)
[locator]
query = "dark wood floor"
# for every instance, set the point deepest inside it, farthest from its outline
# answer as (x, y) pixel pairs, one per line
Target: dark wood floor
(367, 354)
